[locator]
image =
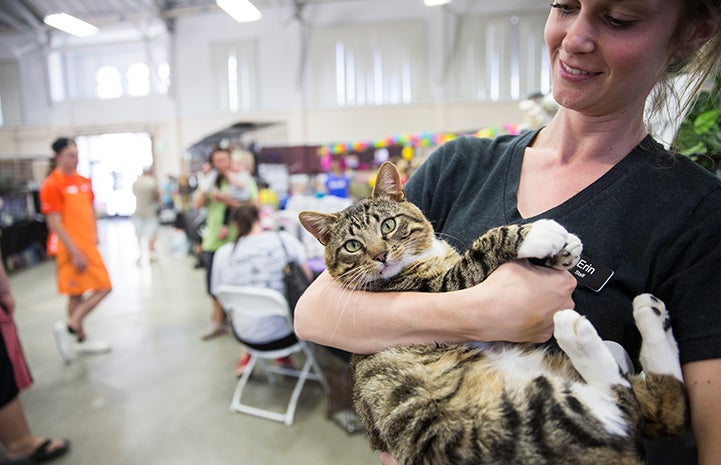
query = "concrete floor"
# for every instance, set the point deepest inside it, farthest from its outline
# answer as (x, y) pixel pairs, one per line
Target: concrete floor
(161, 396)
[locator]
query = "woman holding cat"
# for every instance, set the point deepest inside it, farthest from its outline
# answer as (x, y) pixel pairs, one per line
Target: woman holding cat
(649, 220)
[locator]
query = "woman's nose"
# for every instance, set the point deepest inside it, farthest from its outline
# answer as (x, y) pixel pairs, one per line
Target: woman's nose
(580, 35)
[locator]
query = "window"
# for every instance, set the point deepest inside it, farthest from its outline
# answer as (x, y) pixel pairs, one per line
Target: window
(109, 83)
(234, 67)
(500, 58)
(163, 78)
(109, 70)
(374, 64)
(138, 76)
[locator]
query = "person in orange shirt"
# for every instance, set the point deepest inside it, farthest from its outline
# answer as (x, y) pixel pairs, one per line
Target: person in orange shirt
(66, 200)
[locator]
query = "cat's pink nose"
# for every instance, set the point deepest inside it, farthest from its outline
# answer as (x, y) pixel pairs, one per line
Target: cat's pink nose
(381, 257)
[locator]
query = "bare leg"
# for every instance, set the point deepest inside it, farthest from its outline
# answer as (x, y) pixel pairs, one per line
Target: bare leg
(15, 434)
(218, 314)
(80, 306)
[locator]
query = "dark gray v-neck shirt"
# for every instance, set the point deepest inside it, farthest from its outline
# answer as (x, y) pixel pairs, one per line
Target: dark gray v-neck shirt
(654, 219)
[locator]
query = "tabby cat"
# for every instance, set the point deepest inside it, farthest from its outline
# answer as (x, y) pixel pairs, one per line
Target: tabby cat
(498, 403)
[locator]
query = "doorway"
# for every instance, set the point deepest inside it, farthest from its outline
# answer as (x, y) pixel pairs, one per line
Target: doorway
(113, 162)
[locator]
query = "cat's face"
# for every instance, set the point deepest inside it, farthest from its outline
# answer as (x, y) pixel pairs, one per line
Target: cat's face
(374, 238)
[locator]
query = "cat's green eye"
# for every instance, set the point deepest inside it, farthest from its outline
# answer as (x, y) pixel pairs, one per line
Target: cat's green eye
(388, 226)
(352, 246)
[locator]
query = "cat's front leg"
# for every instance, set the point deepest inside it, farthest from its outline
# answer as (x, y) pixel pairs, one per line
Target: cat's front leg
(547, 240)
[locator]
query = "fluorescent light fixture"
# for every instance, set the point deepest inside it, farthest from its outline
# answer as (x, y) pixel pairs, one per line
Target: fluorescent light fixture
(70, 24)
(240, 10)
(436, 2)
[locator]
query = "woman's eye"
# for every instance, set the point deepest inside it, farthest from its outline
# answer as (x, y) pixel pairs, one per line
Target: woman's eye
(388, 226)
(352, 246)
(618, 23)
(562, 7)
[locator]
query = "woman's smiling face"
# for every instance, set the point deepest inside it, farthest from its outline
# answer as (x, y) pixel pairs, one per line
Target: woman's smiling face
(607, 55)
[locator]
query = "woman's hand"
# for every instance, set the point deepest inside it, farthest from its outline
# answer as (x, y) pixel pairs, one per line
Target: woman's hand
(524, 299)
(388, 459)
(7, 303)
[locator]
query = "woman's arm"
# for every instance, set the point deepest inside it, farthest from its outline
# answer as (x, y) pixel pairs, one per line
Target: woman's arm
(703, 381)
(515, 303)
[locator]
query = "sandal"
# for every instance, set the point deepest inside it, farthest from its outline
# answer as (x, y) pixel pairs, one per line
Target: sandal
(42, 454)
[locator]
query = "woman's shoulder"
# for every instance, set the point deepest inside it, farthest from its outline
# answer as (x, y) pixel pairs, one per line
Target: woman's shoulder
(471, 152)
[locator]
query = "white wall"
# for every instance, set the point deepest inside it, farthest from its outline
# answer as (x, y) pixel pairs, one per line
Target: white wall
(188, 113)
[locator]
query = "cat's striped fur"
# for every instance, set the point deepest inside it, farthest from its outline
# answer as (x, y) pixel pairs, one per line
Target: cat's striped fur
(499, 403)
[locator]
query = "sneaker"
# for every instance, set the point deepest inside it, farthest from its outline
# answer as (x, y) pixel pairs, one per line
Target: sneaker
(62, 341)
(242, 364)
(213, 330)
(92, 347)
(285, 362)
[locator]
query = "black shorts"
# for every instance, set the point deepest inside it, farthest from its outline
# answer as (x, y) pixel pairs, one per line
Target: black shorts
(207, 259)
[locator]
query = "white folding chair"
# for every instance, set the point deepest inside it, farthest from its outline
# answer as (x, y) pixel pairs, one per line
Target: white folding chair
(239, 302)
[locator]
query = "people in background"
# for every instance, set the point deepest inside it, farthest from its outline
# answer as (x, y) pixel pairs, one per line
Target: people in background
(267, 197)
(256, 259)
(648, 215)
(145, 217)
(20, 444)
(66, 200)
(215, 200)
(243, 187)
(169, 190)
(337, 183)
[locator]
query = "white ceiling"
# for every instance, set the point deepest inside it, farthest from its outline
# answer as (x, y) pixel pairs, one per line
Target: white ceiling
(22, 28)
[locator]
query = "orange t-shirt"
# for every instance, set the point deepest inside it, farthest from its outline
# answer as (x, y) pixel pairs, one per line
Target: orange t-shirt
(72, 197)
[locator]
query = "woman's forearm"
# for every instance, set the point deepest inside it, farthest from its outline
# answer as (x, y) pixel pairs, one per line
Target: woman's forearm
(516, 303)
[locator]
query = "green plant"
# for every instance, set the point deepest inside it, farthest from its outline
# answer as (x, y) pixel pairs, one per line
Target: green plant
(699, 136)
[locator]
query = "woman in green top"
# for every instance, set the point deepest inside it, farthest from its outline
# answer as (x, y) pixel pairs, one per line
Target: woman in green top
(216, 199)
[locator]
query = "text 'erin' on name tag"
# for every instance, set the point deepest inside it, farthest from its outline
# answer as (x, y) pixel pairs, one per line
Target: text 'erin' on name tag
(591, 274)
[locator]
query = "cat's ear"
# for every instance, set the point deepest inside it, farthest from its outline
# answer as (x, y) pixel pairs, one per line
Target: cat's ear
(388, 183)
(318, 224)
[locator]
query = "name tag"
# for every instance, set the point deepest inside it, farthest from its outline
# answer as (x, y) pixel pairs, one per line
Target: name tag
(591, 274)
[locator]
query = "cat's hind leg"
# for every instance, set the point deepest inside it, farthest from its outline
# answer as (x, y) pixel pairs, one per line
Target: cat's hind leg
(587, 352)
(659, 352)
(594, 362)
(659, 389)
(549, 241)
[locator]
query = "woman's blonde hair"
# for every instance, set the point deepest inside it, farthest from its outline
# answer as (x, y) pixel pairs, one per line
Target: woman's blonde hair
(698, 65)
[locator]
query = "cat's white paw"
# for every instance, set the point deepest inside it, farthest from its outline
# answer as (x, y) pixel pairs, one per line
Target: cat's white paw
(546, 238)
(659, 351)
(569, 255)
(584, 347)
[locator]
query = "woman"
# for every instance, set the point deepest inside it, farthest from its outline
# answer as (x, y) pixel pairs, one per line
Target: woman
(256, 259)
(216, 199)
(20, 444)
(649, 217)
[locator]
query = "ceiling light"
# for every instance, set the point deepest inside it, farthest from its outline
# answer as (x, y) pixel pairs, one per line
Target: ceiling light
(240, 10)
(70, 24)
(436, 2)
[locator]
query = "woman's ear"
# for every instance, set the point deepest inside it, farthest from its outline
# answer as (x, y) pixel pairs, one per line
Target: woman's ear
(696, 35)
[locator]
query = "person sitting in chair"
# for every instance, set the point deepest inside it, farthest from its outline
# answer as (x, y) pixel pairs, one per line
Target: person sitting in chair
(256, 259)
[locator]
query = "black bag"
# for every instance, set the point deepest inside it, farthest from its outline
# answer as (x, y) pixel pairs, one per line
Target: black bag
(294, 278)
